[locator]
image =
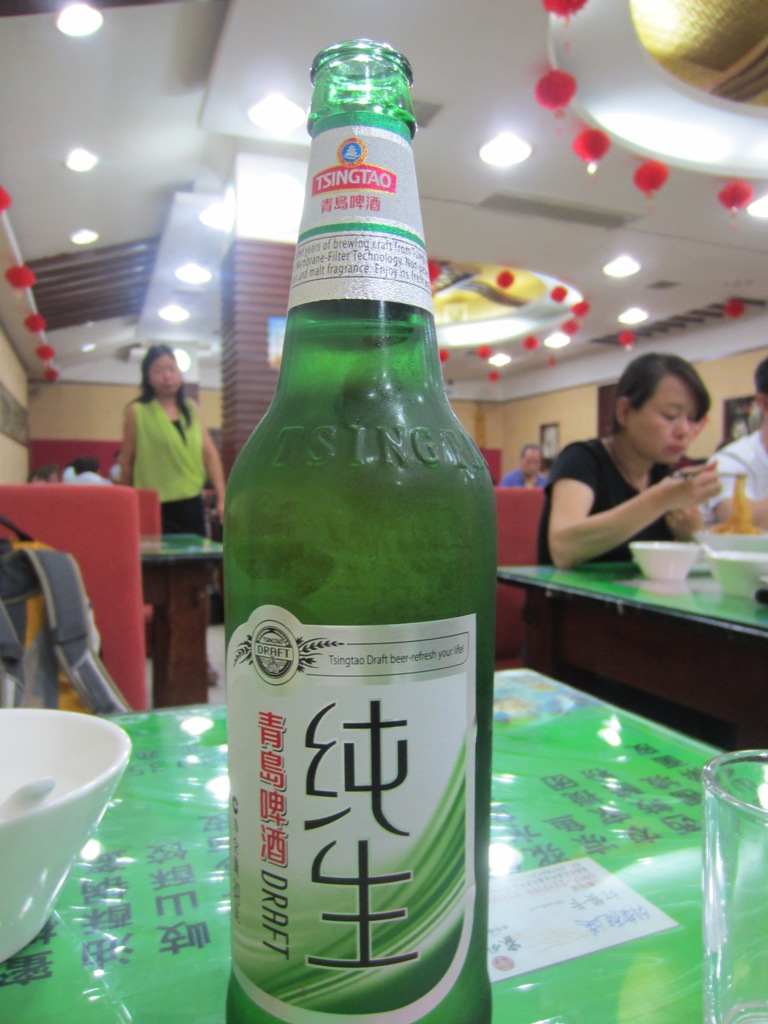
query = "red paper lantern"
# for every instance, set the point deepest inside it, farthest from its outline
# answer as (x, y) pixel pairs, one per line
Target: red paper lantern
(5, 200)
(627, 339)
(591, 145)
(563, 8)
(445, 355)
(20, 277)
(35, 323)
(505, 279)
(734, 308)
(580, 308)
(434, 270)
(570, 327)
(485, 352)
(51, 373)
(735, 195)
(555, 90)
(45, 353)
(551, 362)
(493, 376)
(558, 293)
(650, 176)
(531, 343)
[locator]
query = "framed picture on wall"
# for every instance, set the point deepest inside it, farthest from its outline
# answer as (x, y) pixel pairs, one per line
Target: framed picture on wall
(549, 441)
(736, 418)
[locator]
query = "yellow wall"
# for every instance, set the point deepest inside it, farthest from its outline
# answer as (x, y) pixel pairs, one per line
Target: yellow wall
(14, 457)
(94, 412)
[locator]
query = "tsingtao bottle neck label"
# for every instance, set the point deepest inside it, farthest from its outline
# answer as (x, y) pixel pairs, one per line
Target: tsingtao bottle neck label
(361, 235)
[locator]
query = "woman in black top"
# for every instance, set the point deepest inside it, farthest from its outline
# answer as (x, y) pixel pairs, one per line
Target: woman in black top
(601, 494)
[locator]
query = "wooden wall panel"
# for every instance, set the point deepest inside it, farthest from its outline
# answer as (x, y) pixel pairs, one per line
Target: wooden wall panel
(256, 282)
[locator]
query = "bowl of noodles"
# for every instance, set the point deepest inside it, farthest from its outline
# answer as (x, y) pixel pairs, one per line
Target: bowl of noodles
(737, 532)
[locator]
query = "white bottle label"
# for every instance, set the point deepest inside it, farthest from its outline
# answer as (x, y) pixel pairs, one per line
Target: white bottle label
(352, 773)
(361, 235)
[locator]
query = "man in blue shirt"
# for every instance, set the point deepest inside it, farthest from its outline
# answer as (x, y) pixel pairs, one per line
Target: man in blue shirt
(528, 473)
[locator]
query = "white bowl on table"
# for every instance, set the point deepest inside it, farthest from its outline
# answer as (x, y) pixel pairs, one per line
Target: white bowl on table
(58, 770)
(738, 572)
(665, 560)
(733, 541)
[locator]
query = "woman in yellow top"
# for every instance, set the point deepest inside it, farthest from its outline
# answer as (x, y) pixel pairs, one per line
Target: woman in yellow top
(166, 446)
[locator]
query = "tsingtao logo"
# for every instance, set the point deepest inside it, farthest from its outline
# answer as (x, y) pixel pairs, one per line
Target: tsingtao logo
(352, 152)
(274, 652)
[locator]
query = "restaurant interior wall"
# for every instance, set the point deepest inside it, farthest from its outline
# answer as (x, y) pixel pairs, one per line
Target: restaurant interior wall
(93, 412)
(13, 379)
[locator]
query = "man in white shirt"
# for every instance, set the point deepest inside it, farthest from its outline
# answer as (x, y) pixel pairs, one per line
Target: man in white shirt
(748, 455)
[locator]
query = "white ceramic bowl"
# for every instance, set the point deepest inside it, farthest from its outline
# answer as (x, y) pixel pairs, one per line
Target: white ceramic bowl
(733, 541)
(738, 572)
(664, 559)
(70, 764)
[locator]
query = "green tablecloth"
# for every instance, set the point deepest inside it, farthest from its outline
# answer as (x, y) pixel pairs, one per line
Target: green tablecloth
(140, 934)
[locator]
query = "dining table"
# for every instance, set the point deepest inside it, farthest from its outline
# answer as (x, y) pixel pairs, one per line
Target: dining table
(594, 867)
(685, 641)
(177, 572)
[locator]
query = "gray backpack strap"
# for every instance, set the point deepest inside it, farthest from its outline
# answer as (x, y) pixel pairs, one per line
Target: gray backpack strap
(66, 607)
(11, 654)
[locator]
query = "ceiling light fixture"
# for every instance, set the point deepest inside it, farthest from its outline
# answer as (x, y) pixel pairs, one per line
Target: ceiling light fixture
(500, 359)
(505, 150)
(220, 215)
(88, 347)
(622, 266)
(173, 313)
(193, 273)
(84, 236)
(557, 340)
(79, 20)
(81, 160)
(759, 208)
(183, 359)
(277, 115)
(633, 315)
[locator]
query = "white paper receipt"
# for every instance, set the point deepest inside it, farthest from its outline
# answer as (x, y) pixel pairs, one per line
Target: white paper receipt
(562, 911)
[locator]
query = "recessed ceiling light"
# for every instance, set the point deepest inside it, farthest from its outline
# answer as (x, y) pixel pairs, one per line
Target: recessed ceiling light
(183, 359)
(79, 20)
(81, 160)
(84, 236)
(175, 314)
(557, 340)
(193, 273)
(219, 215)
(505, 150)
(622, 266)
(88, 347)
(500, 359)
(633, 315)
(277, 115)
(759, 208)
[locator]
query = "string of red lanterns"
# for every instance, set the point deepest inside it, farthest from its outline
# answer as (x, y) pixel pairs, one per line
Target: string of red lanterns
(21, 277)
(555, 90)
(591, 145)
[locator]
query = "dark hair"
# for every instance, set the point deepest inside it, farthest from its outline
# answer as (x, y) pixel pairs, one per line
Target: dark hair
(530, 448)
(643, 375)
(761, 377)
(85, 464)
(148, 392)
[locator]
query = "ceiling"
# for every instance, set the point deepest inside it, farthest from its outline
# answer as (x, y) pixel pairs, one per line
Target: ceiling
(160, 93)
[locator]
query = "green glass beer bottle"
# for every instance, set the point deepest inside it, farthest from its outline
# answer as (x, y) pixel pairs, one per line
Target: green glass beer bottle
(359, 567)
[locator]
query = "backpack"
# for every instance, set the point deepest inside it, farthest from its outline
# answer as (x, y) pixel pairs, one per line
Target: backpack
(46, 628)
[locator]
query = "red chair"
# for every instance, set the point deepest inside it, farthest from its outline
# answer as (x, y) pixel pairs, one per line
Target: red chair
(518, 511)
(99, 527)
(150, 519)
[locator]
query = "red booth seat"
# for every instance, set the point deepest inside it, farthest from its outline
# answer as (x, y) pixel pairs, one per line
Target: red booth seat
(518, 510)
(99, 527)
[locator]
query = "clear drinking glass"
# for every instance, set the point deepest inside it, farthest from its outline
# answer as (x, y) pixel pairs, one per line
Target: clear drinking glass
(736, 888)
